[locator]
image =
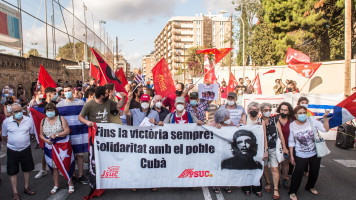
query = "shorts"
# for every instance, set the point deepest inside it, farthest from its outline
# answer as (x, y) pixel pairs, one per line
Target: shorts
(14, 158)
(223, 101)
(272, 158)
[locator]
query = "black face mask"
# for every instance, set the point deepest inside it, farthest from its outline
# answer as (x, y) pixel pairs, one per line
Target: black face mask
(283, 115)
(178, 93)
(140, 94)
(253, 113)
(10, 102)
(106, 98)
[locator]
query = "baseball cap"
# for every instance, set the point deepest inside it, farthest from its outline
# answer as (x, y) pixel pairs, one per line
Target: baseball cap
(194, 95)
(180, 100)
(145, 97)
(232, 94)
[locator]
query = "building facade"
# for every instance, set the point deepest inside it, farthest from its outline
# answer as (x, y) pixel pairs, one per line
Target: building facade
(122, 62)
(181, 33)
(148, 62)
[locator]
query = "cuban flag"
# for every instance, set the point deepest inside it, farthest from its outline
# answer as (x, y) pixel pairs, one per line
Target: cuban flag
(343, 111)
(138, 78)
(78, 130)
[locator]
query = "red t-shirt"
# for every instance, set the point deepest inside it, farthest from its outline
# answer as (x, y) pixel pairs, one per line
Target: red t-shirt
(223, 91)
(285, 131)
(183, 119)
(171, 99)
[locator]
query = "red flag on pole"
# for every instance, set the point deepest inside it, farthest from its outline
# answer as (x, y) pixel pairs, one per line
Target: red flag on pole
(209, 71)
(221, 54)
(108, 74)
(306, 70)
(162, 79)
(37, 118)
(269, 72)
(94, 72)
(294, 56)
(257, 84)
(232, 83)
(45, 79)
(121, 75)
(207, 51)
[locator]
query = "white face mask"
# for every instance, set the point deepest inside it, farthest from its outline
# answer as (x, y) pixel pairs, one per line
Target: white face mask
(228, 122)
(305, 105)
(230, 103)
(267, 114)
(144, 105)
(158, 104)
(180, 107)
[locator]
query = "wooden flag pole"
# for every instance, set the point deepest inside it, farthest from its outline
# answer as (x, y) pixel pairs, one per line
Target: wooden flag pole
(282, 73)
(304, 85)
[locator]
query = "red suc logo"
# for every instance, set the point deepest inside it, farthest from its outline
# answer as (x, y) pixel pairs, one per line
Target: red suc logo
(190, 173)
(111, 172)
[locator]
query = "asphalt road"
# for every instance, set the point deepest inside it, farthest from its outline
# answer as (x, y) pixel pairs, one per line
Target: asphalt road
(336, 181)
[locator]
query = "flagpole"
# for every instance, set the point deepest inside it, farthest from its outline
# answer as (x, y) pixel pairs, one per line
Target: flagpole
(305, 84)
(282, 73)
(205, 73)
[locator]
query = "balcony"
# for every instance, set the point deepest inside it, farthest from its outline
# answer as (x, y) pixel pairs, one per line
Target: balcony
(169, 54)
(177, 39)
(169, 27)
(176, 33)
(177, 61)
(169, 47)
(169, 34)
(190, 25)
(177, 53)
(169, 41)
(178, 46)
(169, 61)
(187, 40)
(176, 25)
(187, 33)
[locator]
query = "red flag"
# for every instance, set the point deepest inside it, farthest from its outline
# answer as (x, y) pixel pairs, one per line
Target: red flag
(232, 83)
(121, 75)
(269, 72)
(94, 72)
(221, 54)
(257, 84)
(207, 51)
(162, 79)
(294, 56)
(209, 71)
(108, 74)
(63, 157)
(45, 79)
(37, 118)
(306, 70)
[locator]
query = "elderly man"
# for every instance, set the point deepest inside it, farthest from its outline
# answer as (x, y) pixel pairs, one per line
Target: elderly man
(180, 115)
(16, 130)
(157, 106)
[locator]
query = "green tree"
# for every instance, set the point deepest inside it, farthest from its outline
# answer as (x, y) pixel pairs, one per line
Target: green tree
(66, 51)
(33, 52)
(194, 61)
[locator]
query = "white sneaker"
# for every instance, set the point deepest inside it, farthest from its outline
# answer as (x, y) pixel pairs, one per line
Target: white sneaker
(41, 173)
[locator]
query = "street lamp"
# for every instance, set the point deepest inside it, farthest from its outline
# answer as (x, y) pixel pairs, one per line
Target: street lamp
(130, 40)
(243, 41)
(101, 22)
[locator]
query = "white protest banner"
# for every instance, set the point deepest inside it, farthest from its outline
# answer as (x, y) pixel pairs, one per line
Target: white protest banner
(177, 155)
(208, 92)
(146, 122)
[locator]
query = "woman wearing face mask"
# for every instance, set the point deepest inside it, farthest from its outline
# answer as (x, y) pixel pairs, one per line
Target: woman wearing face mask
(222, 119)
(7, 106)
(302, 141)
(253, 119)
(237, 112)
(54, 128)
(273, 128)
(197, 107)
(285, 117)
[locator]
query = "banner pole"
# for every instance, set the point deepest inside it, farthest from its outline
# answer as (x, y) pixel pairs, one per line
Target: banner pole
(282, 73)
(304, 85)
(204, 74)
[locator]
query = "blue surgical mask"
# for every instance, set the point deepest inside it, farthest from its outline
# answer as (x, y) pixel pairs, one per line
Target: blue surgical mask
(302, 117)
(68, 95)
(193, 102)
(55, 97)
(38, 87)
(6, 95)
(50, 114)
(18, 115)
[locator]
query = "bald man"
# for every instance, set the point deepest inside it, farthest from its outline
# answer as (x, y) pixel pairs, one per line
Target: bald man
(158, 106)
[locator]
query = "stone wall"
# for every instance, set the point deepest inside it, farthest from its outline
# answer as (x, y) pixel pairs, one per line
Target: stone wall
(20, 70)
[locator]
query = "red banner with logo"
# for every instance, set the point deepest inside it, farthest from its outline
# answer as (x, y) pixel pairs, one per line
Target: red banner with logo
(162, 79)
(294, 56)
(306, 70)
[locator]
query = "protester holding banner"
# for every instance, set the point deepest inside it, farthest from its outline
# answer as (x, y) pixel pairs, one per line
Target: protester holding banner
(279, 87)
(197, 107)
(181, 115)
(237, 112)
(302, 141)
(52, 127)
(16, 131)
(157, 106)
(139, 114)
(285, 117)
(273, 131)
(169, 101)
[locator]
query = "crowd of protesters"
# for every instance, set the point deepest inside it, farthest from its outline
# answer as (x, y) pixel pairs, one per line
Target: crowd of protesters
(102, 104)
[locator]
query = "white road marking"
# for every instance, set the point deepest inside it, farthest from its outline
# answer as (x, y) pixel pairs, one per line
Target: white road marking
(347, 163)
(220, 195)
(206, 193)
(61, 194)
(322, 165)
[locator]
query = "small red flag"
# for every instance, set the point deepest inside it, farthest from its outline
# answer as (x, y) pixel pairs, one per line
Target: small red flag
(209, 71)
(257, 84)
(221, 54)
(162, 79)
(269, 72)
(108, 74)
(94, 72)
(37, 118)
(294, 56)
(121, 75)
(232, 83)
(306, 70)
(45, 79)
(207, 51)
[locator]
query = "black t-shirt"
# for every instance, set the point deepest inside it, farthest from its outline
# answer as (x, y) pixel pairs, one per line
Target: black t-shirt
(162, 115)
(134, 104)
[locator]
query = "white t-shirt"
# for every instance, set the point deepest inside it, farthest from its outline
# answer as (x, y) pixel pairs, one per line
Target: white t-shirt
(235, 114)
(302, 137)
(18, 135)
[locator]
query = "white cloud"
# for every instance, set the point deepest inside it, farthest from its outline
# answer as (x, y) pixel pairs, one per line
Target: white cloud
(135, 59)
(132, 10)
(217, 5)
